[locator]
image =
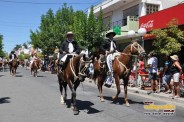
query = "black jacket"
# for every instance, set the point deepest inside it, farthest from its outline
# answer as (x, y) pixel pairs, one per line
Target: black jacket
(64, 47)
(10, 56)
(106, 45)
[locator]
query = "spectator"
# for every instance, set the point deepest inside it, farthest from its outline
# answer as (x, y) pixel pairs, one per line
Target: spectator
(141, 68)
(176, 71)
(167, 75)
(152, 65)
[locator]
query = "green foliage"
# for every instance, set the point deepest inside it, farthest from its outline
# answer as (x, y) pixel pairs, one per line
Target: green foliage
(1, 46)
(21, 57)
(26, 56)
(25, 45)
(53, 27)
(17, 46)
(168, 40)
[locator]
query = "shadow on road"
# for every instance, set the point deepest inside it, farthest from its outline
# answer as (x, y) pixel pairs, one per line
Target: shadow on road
(84, 106)
(1, 75)
(41, 76)
(18, 75)
(121, 100)
(4, 100)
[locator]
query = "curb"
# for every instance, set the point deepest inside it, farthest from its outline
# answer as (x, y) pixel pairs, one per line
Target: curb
(137, 91)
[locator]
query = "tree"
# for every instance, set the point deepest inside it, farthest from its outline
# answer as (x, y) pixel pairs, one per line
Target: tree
(17, 46)
(25, 45)
(1, 46)
(80, 27)
(52, 29)
(168, 40)
(91, 22)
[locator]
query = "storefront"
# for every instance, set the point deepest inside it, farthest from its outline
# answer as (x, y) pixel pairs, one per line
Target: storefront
(159, 20)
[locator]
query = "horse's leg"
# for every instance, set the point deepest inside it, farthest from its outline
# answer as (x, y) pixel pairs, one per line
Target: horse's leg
(65, 88)
(100, 84)
(117, 86)
(35, 72)
(125, 91)
(75, 109)
(61, 91)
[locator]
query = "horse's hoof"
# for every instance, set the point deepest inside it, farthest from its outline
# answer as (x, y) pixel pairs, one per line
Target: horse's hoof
(102, 100)
(62, 101)
(127, 104)
(114, 98)
(75, 111)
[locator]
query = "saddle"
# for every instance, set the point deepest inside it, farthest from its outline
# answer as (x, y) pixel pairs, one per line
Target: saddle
(63, 65)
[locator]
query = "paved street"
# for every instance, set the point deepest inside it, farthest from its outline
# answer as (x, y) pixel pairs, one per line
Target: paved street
(37, 99)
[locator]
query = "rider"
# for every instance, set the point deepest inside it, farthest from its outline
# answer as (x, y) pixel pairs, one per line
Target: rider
(110, 48)
(12, 56)
(68, 48)
(33, 58)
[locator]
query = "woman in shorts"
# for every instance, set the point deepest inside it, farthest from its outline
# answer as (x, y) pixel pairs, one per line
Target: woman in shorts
(176, 71)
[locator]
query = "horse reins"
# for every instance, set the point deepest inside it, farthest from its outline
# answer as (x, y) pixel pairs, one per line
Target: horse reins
(132, 46)
(81, 72)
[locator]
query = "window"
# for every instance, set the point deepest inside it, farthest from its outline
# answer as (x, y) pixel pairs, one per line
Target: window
(132, 11)
(107, 21)
(151, 8)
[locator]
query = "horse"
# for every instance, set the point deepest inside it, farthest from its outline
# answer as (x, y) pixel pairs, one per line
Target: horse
(27, 64)
(121, 69)
(13, 66)
(72, 75)
(34, 67)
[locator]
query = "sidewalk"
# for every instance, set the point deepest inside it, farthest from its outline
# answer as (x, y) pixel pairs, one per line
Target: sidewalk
(144, 92)
(159, 95)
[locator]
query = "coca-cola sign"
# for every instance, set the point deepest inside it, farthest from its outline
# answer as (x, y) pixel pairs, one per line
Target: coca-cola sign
(148, 24)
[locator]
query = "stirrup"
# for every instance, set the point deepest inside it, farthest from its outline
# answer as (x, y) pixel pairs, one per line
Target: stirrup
(109, 73)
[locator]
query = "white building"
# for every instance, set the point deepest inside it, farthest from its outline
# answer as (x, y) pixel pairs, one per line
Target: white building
(125, 13)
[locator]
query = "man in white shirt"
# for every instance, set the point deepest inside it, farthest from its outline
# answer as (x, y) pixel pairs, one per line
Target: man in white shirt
(152, 65)
(68, 48)
(109, 47)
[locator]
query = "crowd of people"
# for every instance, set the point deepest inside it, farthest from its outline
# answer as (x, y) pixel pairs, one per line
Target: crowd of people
(170, 76)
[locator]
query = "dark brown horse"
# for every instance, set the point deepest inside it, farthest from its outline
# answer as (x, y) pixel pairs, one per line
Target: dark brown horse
(73, 74)
(35, 66)
(121, 69)
(13, 66)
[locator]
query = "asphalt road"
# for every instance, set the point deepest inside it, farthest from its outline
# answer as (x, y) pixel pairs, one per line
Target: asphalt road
(37, 99)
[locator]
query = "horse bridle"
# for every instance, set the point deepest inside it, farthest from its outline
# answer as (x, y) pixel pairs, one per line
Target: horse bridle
(81, 71)
(139, 49)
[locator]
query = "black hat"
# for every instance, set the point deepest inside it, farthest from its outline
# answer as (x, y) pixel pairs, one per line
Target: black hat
(108, 34)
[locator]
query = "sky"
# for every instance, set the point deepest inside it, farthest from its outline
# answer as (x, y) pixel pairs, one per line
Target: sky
(18, 17)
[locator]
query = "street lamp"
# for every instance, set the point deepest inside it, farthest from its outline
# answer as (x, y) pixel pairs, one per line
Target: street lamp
(131, 34)
(141, 32)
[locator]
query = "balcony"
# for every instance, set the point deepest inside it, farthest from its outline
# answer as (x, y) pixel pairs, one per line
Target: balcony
(130, 23)
(110, 5)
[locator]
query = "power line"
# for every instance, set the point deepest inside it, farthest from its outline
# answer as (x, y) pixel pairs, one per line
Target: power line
(40, 3)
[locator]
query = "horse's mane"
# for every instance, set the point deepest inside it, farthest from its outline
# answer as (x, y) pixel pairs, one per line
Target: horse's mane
(127, 47)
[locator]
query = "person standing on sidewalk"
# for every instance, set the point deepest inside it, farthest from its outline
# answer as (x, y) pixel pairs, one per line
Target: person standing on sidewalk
(152, 65)
(176, 71)
(167, 75)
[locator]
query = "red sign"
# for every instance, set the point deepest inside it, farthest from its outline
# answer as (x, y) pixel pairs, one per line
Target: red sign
(160, 19)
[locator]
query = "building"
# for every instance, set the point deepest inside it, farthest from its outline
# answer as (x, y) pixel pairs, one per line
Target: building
(159, 20)
(124, 14)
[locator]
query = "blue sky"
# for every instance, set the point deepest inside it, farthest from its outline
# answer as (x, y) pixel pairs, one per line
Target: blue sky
(18, 18)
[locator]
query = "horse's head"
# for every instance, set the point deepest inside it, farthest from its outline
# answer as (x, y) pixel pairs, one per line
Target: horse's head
(86, 55)
(136, 48)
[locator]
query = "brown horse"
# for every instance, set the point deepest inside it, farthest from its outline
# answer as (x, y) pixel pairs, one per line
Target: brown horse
(13, 66)
(73, 74)
(121, 69)
(35, 66)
